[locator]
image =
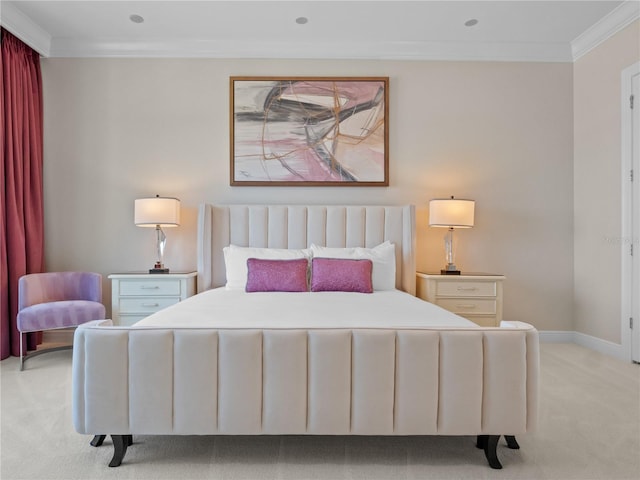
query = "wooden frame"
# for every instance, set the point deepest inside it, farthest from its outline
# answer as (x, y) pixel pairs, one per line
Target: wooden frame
(309, 131)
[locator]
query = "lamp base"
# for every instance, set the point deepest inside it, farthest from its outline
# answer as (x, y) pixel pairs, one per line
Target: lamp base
(158, 270)
(449, 272)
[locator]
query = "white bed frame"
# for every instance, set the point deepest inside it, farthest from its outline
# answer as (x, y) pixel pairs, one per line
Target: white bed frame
(209, 381)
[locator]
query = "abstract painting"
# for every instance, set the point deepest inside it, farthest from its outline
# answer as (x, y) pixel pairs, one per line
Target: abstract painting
(309, 131)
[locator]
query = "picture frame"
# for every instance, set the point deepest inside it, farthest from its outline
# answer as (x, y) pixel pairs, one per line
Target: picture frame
(309, 131)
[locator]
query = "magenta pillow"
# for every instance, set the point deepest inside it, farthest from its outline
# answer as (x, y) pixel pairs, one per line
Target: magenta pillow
(277, 275)
(341, 275)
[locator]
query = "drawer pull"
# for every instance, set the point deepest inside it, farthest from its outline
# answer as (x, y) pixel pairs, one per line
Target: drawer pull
(150, 304)
(465, 305)
(154, 287)
(467, 289)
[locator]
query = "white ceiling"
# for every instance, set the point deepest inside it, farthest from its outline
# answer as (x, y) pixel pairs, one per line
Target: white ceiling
(506, 30)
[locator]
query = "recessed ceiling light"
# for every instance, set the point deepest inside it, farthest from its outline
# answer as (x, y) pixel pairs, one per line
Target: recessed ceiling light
(301, 20)
(136, 18)
(471, 22)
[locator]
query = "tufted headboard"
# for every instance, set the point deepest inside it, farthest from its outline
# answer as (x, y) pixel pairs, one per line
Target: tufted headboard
(298, 226)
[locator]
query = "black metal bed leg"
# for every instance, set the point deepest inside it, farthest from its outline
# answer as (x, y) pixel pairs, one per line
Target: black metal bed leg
(512, 442)
(97, 440)
(490, 446)
(120, 444)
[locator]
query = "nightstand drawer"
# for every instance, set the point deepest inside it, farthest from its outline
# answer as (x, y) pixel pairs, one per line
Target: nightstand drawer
(466, 289)
(468, 306)
(477, 297)
(146, 305)
(150, 287)
(135, 296)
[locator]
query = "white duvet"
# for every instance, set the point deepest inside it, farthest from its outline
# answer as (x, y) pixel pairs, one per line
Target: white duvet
(224, 308)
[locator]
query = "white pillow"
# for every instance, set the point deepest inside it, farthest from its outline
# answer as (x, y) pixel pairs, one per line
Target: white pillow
(330, 252)
(235, 260)
(382, 256)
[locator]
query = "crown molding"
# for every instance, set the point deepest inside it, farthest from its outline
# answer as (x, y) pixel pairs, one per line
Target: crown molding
(608, 26)
(31, 33)
(25, 29)
(446, 51)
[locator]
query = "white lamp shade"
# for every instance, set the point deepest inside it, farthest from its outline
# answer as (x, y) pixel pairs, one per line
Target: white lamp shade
(163, 211)
(451, 213)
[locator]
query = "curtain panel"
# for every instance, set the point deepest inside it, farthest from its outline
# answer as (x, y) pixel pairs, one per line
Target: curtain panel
(21, 197)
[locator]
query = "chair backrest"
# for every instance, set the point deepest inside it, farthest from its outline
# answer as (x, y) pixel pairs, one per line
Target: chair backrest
(57, 286)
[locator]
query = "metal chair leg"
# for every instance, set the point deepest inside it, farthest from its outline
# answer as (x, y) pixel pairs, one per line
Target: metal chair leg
(21, 354)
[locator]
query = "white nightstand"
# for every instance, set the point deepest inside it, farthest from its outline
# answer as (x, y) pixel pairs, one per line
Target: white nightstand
(135, 296)
(476, 296)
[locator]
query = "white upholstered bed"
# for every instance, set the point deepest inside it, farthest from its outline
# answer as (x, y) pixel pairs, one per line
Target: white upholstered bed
(329, 363)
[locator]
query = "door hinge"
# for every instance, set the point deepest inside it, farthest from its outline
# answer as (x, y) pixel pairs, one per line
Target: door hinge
(631, 249)
(631, 98)
(631, 323)
(631, 175)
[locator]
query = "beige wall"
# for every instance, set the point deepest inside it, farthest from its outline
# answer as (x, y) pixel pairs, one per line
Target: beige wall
(499, 133)
(597, 184)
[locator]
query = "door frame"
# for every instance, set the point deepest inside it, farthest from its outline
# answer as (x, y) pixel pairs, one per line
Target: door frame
(630, 265)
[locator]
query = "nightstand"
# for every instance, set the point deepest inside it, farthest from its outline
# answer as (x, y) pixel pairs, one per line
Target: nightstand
(475, 296)
(135, 296)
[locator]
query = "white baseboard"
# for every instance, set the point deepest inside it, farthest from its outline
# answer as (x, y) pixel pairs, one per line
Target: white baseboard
(594, 343)
(602, 346)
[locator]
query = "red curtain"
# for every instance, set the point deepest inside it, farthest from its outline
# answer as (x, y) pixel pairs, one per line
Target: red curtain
(21, 203)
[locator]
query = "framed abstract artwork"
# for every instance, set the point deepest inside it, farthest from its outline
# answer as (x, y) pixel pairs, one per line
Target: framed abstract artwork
(309, 131)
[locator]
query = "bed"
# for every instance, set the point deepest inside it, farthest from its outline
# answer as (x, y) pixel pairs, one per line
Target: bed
(228, 362)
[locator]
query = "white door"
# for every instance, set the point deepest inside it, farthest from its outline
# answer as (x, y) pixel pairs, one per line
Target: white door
(635, 216)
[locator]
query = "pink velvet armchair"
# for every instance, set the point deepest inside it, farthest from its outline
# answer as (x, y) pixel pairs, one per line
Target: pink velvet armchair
(48, 301)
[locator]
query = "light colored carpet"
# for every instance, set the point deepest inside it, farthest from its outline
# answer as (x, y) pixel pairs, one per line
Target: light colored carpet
(589, 428)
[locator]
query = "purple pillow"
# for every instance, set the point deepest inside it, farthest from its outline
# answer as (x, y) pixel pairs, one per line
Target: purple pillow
(277, 275)
(341, 275)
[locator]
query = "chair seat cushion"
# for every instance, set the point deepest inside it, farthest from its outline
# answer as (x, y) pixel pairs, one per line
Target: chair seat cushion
(68, 313)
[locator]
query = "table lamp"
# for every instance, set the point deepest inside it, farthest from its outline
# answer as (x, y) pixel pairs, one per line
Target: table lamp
(451, 213)
(157, 212)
